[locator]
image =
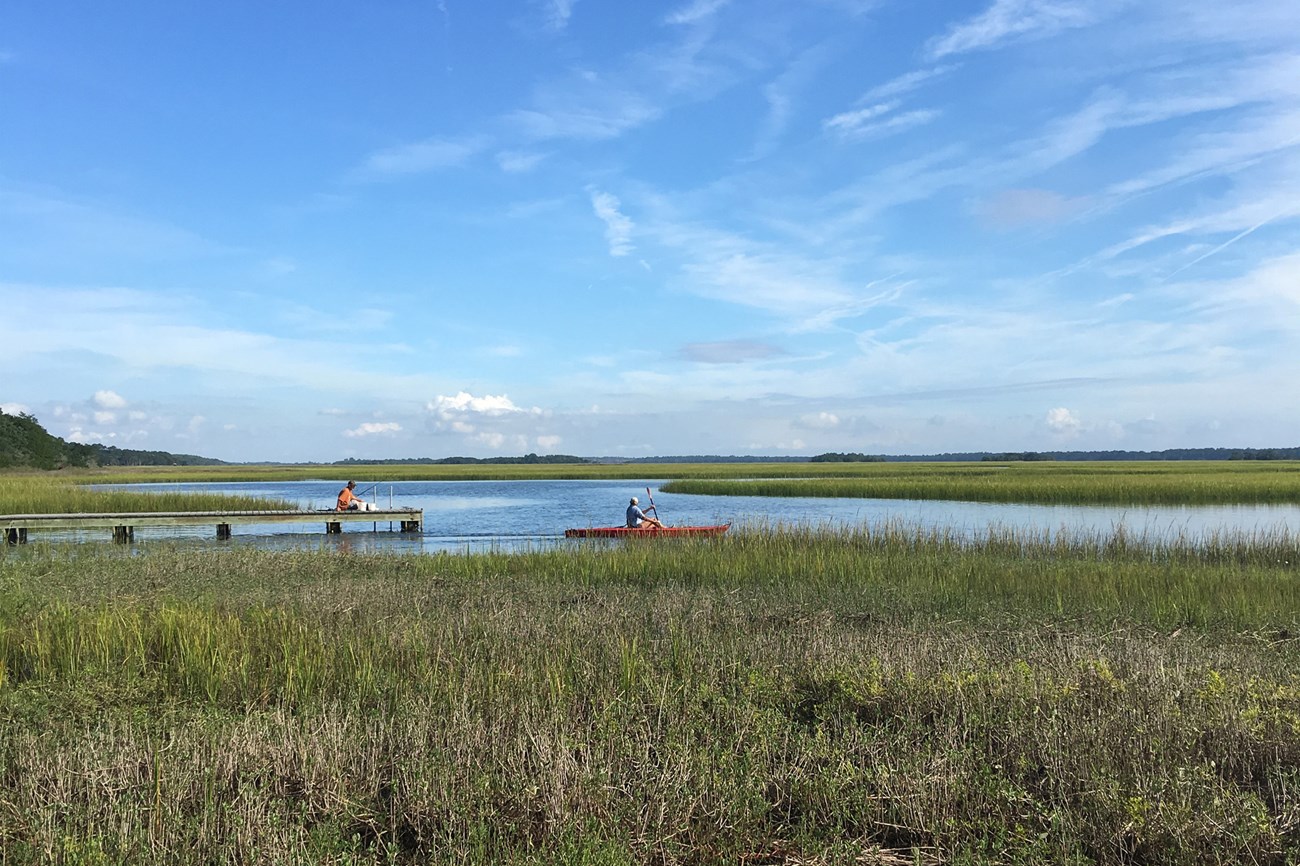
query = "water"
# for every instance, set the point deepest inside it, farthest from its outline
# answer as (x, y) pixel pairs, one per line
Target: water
(467, 516)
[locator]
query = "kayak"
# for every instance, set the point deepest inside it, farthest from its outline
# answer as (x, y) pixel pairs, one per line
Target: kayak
(650, 531)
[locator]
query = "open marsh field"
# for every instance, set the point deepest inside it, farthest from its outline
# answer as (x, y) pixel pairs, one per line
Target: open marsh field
(797, 697)
(801, 695)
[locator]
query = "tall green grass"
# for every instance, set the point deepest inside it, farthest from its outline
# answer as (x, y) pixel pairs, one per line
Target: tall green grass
(43, 494)
(789, 696)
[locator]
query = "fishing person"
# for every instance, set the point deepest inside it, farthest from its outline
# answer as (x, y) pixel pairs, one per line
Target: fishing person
(349, 501)
(636, 517)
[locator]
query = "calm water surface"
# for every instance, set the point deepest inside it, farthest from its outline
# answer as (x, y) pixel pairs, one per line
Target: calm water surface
(464, 516)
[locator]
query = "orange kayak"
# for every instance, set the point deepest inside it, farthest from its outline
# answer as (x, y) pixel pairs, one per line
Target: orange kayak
(649, 531)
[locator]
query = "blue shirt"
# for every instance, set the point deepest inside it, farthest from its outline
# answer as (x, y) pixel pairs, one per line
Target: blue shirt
(634, 515)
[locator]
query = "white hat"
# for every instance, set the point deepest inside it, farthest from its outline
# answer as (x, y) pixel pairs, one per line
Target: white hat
(634, 500)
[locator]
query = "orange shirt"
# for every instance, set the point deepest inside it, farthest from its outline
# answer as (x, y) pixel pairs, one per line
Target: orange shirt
(345, 499)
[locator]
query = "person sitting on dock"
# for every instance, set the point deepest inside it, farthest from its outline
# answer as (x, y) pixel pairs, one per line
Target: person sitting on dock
(636, 517)
(349, 501)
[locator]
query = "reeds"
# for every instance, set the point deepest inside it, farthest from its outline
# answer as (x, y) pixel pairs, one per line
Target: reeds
(45, 494)
(795, 695)
(1181, 483)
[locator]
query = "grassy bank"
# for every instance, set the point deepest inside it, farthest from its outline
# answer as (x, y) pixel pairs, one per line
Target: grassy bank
(1166, 483)
(796, 696)
(38, 493)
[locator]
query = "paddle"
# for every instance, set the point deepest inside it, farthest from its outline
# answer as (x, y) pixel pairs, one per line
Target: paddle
(651, 497)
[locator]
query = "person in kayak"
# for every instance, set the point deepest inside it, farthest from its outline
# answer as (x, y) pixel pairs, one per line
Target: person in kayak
(636, 517)
(349, 501)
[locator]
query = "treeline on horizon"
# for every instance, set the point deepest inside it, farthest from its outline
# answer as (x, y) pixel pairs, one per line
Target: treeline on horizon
(461, 461)
(985, 456)
(25, 444)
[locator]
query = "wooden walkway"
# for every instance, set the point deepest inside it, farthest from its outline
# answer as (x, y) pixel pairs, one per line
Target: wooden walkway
(16, 526)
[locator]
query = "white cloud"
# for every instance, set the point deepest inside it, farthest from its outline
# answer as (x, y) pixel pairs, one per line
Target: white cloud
(618, 228)
(14, 409)
(820, 421)
(104, 417)
(109, 400)
(465, 403)
(1062, 420)
(549, 442)
(374, 428)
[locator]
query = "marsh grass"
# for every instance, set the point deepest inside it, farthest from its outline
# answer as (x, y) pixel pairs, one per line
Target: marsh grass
(1182, 482)
(1169, 483)
(46, 494)
(796, 695)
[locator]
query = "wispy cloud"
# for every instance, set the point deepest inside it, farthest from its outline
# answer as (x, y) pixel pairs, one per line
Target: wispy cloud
(519, 162)
(730, 351)
(695, 11)
(618, 228)
(590, 109)
(877, 122)
(153, 334)
(1008, 20)
(94, 228)
(1269, 193)
(906, 83)
(783, 92)
(432, 154)
(876, 113)
(558, 13)
(772, 281)
(1013, 208)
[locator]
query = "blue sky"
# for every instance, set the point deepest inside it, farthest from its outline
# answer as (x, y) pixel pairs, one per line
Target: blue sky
(303, 232)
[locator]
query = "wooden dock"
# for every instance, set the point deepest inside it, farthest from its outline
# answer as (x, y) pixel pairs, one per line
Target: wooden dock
(16, 526)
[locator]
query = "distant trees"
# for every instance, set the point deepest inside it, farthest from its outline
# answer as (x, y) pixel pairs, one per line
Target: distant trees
(838, 457)
(463, 461)
(25, 444)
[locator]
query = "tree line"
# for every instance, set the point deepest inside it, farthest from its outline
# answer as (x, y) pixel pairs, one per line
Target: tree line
(25, 444)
